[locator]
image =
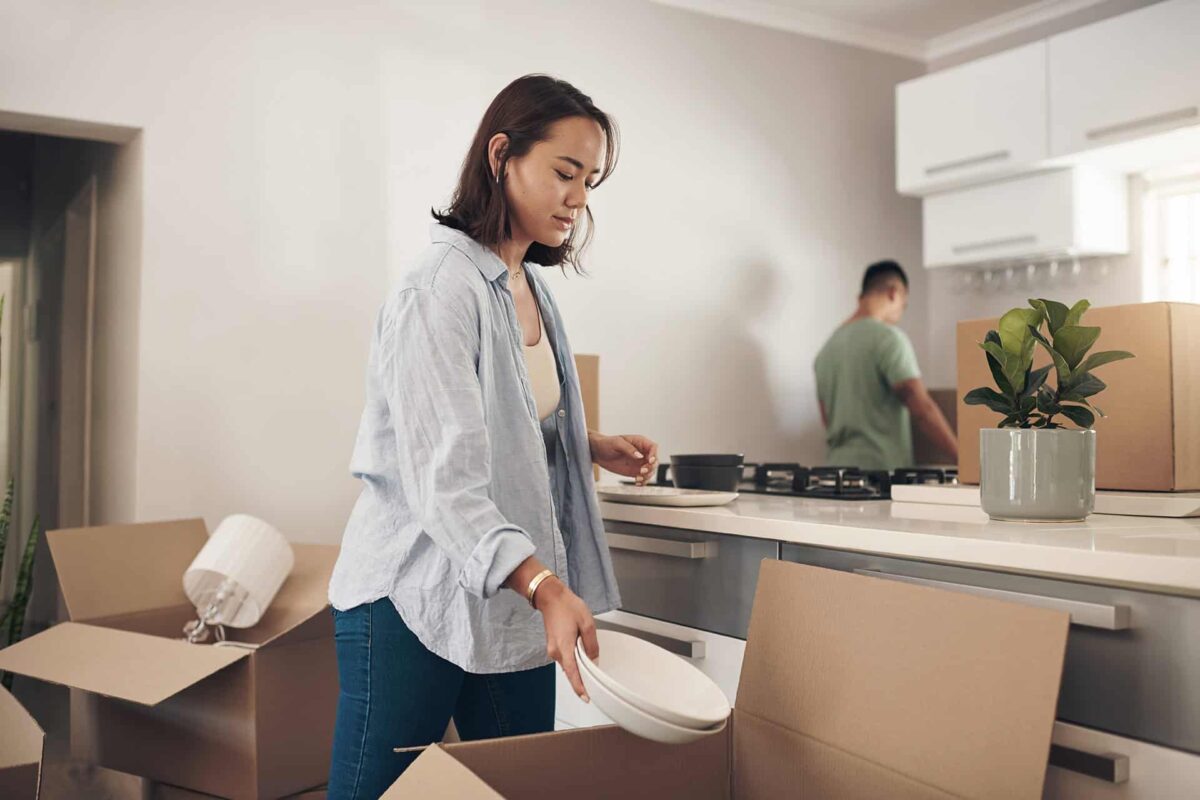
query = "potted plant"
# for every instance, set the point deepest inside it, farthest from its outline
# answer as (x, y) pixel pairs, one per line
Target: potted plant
(1032, 467)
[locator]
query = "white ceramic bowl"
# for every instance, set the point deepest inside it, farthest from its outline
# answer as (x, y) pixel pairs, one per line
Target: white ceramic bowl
(633, 719)
(656, 681)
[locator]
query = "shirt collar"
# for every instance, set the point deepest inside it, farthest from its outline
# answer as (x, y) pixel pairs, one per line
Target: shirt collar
(487, 262)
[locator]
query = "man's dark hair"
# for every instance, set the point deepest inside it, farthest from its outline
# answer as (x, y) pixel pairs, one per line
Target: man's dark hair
(881, 274)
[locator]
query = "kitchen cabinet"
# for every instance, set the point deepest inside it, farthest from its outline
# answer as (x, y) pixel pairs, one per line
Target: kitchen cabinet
(972, 123)
(1078, 211)
(1125, 78)
(1087, 764)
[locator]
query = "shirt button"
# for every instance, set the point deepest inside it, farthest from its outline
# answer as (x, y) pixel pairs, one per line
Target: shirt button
(562, 412)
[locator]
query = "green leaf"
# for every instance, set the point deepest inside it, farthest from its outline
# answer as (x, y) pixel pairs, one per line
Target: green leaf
(1009, 366)
(6, 521)
(1076, 312)
(1036, 379)
(997, 367)
(1028, 402)
(984, 396)
(1054, 312)
(1073, 342)
(1102, 358)
(1081, 416)
(1060, 363)
(1083, 384)
(1046, 402)
(1014, 328)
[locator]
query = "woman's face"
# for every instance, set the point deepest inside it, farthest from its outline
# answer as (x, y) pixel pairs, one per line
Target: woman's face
(547, 188)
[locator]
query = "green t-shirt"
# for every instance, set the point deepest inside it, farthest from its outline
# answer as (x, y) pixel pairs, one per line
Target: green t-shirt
(868, 425)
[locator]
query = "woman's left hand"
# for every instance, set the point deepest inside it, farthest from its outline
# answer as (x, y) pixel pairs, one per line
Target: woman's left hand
(631, 455)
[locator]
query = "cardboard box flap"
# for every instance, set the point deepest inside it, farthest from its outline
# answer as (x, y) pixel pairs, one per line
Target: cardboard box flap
(111, 570)
(20, 736)
(437, 775)
(130, 666)
(946, 690)
(303, 595)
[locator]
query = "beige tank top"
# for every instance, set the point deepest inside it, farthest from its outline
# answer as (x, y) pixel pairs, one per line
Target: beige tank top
(543, 373)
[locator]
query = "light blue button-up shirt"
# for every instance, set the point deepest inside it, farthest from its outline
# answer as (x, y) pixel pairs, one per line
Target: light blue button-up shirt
(461, 482)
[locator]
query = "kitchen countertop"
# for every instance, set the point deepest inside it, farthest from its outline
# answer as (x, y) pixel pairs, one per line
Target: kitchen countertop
(1151, 553)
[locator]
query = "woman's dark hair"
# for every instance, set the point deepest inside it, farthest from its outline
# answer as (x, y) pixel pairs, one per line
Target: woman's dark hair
(524, 110)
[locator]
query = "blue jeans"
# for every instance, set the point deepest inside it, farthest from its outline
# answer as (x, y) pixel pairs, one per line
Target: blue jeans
(395, 693)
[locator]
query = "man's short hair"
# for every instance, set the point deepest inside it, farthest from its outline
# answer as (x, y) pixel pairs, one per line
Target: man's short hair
(882, 274)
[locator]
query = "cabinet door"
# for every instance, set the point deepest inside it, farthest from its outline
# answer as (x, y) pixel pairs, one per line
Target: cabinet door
(1080, 211)
(1125, 78)
(973, 122)
(1003, 220)
(1087, 764)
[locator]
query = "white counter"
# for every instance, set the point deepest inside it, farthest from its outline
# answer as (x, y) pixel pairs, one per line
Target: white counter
(1156, 554)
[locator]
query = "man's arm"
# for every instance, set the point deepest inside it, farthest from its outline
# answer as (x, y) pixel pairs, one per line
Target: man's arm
(928, 416)
(824, 416)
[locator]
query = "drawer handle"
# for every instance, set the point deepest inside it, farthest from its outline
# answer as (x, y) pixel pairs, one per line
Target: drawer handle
(688, 648)
(1110, 767)
(661, 547)
(991, 243)
(1178, 115)
(1087, 615)
(973, 161)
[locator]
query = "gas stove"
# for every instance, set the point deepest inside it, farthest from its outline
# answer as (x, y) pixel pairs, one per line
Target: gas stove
(837, 483)
(828, 483)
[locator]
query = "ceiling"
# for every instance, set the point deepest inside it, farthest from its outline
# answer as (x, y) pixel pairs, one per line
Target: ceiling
(920, 19)
(920, 29)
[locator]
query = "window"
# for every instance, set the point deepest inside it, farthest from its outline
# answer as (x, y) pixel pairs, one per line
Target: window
(1172, 241)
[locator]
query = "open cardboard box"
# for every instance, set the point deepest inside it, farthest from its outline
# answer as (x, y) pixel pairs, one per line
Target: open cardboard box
(252, 718)
(852, 687)
(1150, 440)
(21, 742)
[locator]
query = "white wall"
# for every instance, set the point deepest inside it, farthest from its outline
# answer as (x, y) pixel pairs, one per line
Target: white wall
(290, 152)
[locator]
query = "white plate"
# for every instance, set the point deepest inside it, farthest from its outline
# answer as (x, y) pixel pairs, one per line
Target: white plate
(663, 496)
(656, 681)
(633, 719)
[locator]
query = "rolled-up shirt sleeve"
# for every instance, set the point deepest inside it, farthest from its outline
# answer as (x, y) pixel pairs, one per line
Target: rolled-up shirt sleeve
(428, 351)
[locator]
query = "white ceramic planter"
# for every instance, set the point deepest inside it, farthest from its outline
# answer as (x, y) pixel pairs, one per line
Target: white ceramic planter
(1030, 475)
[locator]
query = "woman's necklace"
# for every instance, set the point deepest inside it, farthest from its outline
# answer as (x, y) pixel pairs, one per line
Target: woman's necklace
(515, 276)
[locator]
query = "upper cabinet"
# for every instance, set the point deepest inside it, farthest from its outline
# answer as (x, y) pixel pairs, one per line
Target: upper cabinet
(1125, 78)
(1079, 211)
(973, 123)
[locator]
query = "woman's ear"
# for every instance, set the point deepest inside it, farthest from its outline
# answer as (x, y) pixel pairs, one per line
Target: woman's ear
(497, 146)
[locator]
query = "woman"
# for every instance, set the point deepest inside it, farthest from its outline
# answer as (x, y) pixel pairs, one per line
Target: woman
(475, 555)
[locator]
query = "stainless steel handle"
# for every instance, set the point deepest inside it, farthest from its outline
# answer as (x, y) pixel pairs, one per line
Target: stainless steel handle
(661, 547)
(688, 648)
(1110, 767)
(1167, 117)
(991, 243)
(1087, 615)
(973, 161)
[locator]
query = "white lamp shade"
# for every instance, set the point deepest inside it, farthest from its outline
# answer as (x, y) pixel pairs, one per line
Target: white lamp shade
(248, 558)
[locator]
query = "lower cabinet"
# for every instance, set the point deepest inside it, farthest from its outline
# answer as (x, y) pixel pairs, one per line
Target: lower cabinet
(1087, 764)
(719, 657)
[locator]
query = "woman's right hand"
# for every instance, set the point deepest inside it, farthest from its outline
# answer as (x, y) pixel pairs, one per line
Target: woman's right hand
(567, 618)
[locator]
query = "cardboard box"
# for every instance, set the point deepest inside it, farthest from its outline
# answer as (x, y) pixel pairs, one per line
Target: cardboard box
(588, 367)
(851, 687)
(163, 791)
(249, 719)
(21, 743)
(1150, 440)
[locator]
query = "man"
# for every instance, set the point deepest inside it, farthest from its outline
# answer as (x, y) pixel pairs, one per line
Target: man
(868, 382)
